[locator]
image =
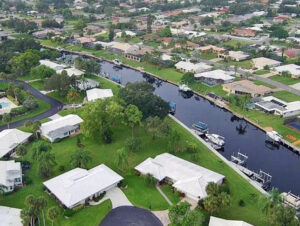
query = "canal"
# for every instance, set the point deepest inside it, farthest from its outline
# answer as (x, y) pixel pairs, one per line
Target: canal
(241, 136)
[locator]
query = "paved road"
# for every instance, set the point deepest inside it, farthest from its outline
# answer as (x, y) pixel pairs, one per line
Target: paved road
(263, 79)
(55, 105)
(278, 84)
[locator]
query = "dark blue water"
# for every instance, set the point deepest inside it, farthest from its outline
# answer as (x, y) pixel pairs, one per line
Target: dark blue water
(281, 163)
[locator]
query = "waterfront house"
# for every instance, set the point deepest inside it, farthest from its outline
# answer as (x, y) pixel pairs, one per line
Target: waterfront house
(10, 216)
(71, 72)
(215, 77)
(138, 54)
(185, 67)
(273, 105)
(10, 139)
(292, 69)
(95, 94)
(246, 87)
(10, 175)
(212, 48)
(56, 67)
(215, 221)
(61, 127)
(187, 177)
(78, 186)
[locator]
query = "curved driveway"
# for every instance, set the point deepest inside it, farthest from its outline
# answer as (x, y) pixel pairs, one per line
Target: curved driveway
(55, 105)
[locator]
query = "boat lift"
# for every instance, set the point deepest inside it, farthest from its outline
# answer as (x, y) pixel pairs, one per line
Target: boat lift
(240, 159)
(263, 178)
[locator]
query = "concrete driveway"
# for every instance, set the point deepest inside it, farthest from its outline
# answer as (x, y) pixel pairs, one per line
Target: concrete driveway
(116, 196)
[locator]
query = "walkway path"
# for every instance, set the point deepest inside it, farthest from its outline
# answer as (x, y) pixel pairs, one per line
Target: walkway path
(55, 105)
(116, 196)
(163, 194)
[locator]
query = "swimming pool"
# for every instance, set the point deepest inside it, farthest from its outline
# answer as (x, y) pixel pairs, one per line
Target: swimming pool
(295, 125)
(4, 104)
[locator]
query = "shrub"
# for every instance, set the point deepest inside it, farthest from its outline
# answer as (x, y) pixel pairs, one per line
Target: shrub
(28, 124)
(150, 181)
(30, 104)
(133, 144)
(61, 168)
(242, 203)
(69, 213)
(191, 147)
(27, 180)
(122, 184)
(78, 208)
(225, 188)
(18, 111)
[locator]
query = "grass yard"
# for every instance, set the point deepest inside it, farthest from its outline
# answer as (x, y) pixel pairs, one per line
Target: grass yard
(142, 195)
(204, 88)
(258, 82)
(245, 64)
(285, 80)
(235, 43)
(286, 96)
(208, 55)
(64, 99)
(105, 83)
(170, 193)
(262, 72)
(43, 106)
(39, 85)
(3, 86)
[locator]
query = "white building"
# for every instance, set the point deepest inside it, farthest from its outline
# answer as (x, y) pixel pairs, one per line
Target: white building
(77, 186)
(261, 62)
(52, 65)
(10, 139)
(71, 72)
(10, 175)
(187, 177)
(293, 69)
(216, 76)
(95, 94)
(61, 127)
(276, 106)
(234, 55)
(128, 33)
(185, 67)
(10, 216)
(215, 221)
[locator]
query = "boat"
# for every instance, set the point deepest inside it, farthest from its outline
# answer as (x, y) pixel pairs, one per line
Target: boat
(200, 128)
(172, 107)
(117, 62)
(215, 140)
(274, 135)
(116, 79)
(184, 88)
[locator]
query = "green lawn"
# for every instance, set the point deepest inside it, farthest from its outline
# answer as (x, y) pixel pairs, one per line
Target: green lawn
(105, 83)
(246, 64)
(143, 195)
(235, 43)
(64, 99)
(262, 72)
(170, 193)
(258, 82)
(285, 80)
(3, 86)
(286, 96)
(43, 106)
(39, 85)
(208, 55)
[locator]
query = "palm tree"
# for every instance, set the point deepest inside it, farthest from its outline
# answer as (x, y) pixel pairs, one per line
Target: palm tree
(271, 200)
(39, 148)
(212, 189)
(53, 214)
(36, 127)
(47, 162)
(73, 96)
(42, 203)
(81, 159)
(21, 150)
(25, 217)
(7, 119)
(122, 158)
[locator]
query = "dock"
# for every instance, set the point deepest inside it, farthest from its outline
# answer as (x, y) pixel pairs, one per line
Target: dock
(240, 159)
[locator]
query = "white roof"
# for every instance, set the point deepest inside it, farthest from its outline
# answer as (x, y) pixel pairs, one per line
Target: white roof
(187, 177)
(10, 216)
(270, 103)
(10, 139)
(214, 221)
(69, 120)
(239, 55)
(9, 170)
(71, 71)
(188, 66)
(260, 62)
(216, 74)
(94, 94)
(79, 184)
(292, 68)
(52, 65)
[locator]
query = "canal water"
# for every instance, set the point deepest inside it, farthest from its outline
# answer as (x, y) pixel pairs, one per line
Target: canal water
(241, 136)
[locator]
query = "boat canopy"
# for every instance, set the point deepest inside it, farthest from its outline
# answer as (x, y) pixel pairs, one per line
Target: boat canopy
(200, 125)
